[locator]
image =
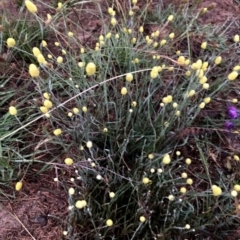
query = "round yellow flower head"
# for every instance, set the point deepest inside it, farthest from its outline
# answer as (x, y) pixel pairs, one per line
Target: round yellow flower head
(84, 109)
(113, 21)
(183, 190)
(142, 219)
(46, 95)
(91, 69)
(181, 60)
(187, 226)
(47, 103)
(166, 159)
(70, 34)
(218, 60)
(205, 86)
(36, 51)
(171, 35)
(68, 161)
(11, 42)
(141, 29)
(191, 93)
(151, 156)
(124, 91)
(59, 59)
(234, 193)
(189, 181)
(236, 157)
(236, 38)
(44, 43)
(184, 175)
(33, 70)
(41, 59)
(12, 111)
(111, 194)
(71, 191)
(163, 42)
(105, 130)
(232, 76)
(146, 180)
(171, 197)
(204, 45)
(75, 110)
(217, 191)
(57, 132)
(129, 77)
(170, 18)
(109, 222)
(43, 109)
(18, 186)
(134, 104)
(80, 204)
(188, 161)
(237, 187)
(202, 105)
(89, 144)
(32, 8)
(207, 100)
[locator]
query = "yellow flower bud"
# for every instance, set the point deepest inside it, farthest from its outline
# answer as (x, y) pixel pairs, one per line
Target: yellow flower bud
(109, 222)
(236, 157)
(47, 103)
(166, 159)
(217, 191)
(59, 59)
(202, 105)
(44, 43)
(57, 132)
(43, 109)
(237, 187)
(191, 93)
(90, 69)
(204, 45)
(129, 77)
(189, 181)
(41, 59)
(111, 194)
(218, 60)
(113, 21)
(181, 60)
(31, 6)
(150, 156)
(71, 191)
(12, 111)
(124, 91)
(184, 175)
(170, 18)
(171, 197)
(145, 180)
(163, 42)
(11, 42)
(84, 109)
(142, 219)
(232, 76)
(188, 161)
(33, 70)
(141, 29)
(36, 51)
(205, 86)
(18, 186)
(203, 80)
(236, 38)
(89, 144)
(183, 190)
(171, 35)
(80, 204)
(68, 161)
(46, 95)
(70, 34)
(207, 100)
